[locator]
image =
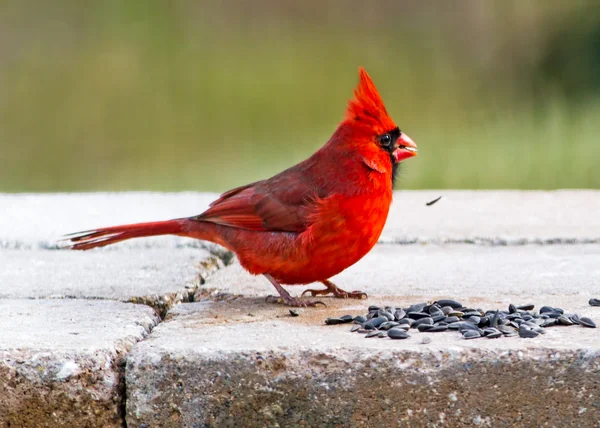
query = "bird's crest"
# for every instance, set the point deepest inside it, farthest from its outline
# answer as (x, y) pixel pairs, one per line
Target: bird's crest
(367, 106)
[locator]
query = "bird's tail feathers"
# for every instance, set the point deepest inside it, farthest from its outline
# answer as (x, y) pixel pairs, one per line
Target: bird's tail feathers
(110, 235)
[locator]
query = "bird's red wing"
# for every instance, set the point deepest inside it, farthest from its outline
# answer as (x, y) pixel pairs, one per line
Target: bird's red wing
(279, 204)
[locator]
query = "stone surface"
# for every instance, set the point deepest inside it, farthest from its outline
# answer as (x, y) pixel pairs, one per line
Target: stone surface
(213, 364)
(235, 360)
(34, 220)
(451, 269)
(61, 361)
(159, 277)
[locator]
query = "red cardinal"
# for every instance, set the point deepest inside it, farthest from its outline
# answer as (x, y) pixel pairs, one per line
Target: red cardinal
(309, 222)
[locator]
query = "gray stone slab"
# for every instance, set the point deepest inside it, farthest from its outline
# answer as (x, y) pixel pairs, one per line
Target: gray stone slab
(61, 361)
(38, 220)
(245, 363)
(159, 277)
(502, 217)
(450, 270)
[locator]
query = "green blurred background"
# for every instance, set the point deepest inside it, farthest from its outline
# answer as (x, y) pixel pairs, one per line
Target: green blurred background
(205, 95)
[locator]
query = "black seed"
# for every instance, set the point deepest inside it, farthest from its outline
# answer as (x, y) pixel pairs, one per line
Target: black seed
(373, 333)
(512, 308)
(438, 329)
(451, 320)
(484, 321)
(455, 313)
(527, 307)
(399, 314)
(408, 321)
(594, 302)
(397, 333)
(388, 315)
(471, 334)
(294, 312)
(574, 318)
(449, 302)
(492, 333)
(416, 308)
(544, 309)
(474, 320)
(527, 333)
(447, 309)
(347, 318)
(439, 317)
(374, 308)
(359, 320)
(387, 325)
(495, 319)
(549, 322)
(417, 315)
(355, 327)
(404, 327)
(425, 327)
(335, 321)
(587, 322)
(564, 320)
(467, 315)
(422, 321)
(463, 325)
(434, 309)
(375, 323)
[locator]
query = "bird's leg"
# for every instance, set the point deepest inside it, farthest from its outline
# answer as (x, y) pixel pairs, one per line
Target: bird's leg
(286, 297)
(337, 292)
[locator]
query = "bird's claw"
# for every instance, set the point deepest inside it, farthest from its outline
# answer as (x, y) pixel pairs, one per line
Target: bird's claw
(293, 302)
(337, 293)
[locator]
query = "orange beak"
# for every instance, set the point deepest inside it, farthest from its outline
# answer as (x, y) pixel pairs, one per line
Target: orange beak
(405, 148)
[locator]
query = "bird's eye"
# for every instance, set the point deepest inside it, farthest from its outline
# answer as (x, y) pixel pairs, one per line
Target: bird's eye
(385, 139)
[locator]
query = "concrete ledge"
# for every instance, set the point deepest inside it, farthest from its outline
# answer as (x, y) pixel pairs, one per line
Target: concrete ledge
(454, 270)
(242, 362)
(213, 365)
(62, 361)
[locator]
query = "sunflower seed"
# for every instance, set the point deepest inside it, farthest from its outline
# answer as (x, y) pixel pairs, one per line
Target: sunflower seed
(564, 320)
(422, 321)
(527, 333)
(594, 302)
(449, 302)
(492, 333)
(399, 314)
(471, 334)
(587, 322)
(397, 333)
(387, 325)
(375, 322)
(359, 319)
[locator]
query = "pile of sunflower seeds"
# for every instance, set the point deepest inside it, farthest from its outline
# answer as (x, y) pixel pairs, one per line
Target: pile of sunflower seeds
(447, 314)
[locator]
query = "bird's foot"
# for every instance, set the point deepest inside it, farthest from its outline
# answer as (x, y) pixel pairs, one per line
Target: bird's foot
(336, 292)
(293, 302)
(285, 297)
